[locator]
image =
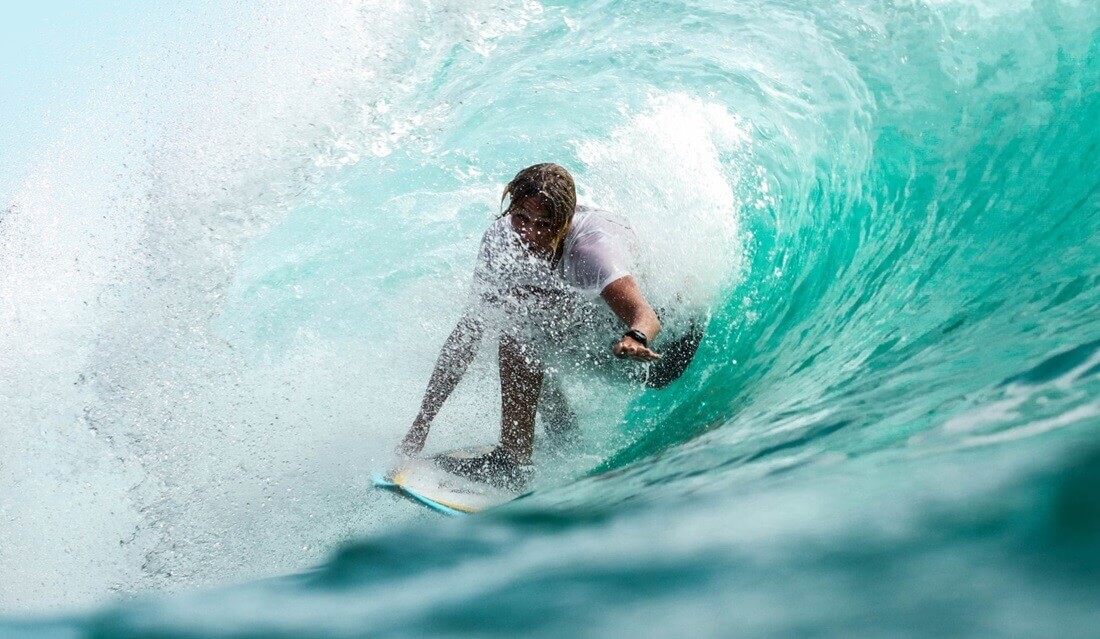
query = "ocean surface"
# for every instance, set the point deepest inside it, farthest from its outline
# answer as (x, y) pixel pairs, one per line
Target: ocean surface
(234, 235)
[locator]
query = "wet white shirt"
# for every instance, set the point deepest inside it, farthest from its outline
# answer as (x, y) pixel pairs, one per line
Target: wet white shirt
(598, 249)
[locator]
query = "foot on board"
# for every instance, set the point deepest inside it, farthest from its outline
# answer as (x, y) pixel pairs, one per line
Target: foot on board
(496, 468)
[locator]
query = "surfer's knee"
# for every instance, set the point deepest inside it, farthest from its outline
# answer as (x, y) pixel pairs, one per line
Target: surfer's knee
(518, 355)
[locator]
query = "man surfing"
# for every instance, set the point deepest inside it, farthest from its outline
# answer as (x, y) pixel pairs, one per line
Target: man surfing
(540, 264)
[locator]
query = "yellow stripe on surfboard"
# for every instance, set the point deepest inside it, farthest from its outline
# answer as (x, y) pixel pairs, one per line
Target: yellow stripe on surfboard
(398, 480)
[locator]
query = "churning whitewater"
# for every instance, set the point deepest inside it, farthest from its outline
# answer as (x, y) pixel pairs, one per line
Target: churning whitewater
(233, 239)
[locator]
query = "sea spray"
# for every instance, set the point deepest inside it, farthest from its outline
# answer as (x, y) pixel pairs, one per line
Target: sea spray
(889, 427)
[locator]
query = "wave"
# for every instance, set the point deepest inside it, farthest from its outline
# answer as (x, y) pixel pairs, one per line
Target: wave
(889, 213)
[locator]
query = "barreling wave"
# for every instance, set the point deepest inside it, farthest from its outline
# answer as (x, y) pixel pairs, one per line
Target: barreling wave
(889, 212)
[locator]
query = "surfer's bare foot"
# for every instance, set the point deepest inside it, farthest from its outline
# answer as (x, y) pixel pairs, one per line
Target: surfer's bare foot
(496, 468)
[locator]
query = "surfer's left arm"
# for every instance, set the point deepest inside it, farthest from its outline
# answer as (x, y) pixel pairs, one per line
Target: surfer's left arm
(627, 302)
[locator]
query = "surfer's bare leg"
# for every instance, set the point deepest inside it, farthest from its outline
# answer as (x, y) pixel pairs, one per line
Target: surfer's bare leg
(520, 383)
(559, 420)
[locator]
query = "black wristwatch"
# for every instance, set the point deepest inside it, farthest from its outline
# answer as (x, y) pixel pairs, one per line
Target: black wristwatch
(638, 336)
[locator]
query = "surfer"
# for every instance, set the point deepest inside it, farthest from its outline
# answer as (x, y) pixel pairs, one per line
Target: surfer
(537, 264)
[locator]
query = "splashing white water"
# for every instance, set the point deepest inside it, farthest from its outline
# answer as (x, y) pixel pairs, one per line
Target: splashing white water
(140, 451)
(664, 170)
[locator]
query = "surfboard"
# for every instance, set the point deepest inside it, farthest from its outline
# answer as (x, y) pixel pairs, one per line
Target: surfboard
(425, 483)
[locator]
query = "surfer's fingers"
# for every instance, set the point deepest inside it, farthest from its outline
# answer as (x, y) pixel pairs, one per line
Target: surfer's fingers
(640, 353)
(625, 349)
(411, 444)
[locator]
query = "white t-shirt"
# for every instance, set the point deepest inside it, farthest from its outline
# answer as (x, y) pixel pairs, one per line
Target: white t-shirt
(598, 249)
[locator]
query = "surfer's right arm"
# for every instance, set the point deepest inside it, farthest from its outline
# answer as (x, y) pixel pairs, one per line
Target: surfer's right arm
(457, 353)
(461, 347)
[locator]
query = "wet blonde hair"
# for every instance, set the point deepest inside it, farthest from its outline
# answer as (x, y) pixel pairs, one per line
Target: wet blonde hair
(551, 182)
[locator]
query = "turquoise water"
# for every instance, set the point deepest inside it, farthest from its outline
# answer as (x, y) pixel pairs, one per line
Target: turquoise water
(227, 273)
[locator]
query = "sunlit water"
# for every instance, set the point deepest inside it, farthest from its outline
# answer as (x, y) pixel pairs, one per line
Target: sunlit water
(227, 266)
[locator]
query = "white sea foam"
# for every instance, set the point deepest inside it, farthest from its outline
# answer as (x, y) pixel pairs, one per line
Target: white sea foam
(664, 170)
(139, 450)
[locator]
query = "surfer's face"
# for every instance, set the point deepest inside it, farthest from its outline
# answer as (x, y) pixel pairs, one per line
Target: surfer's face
(531, 221)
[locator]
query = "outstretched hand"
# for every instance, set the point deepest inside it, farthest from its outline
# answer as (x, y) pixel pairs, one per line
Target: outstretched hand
(630, 348)
(413, 442)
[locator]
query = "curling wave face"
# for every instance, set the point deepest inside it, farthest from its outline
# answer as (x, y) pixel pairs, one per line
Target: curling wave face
(889, 213)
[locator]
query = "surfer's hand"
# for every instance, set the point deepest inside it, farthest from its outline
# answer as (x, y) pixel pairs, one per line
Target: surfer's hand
(410, 445)
(413, 442)
(630, 348)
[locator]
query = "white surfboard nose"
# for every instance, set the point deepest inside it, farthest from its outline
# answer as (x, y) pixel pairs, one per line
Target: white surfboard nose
(426, 483)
